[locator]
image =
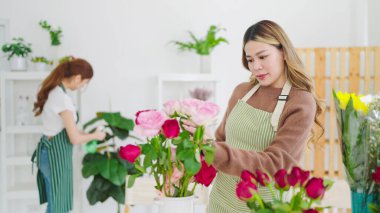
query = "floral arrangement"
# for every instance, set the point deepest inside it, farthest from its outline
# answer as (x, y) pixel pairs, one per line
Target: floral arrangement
(358, 119)
(306, 191)
(171, 154)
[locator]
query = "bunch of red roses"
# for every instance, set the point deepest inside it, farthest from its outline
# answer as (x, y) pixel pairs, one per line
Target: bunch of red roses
(305, 190)
(171, 154)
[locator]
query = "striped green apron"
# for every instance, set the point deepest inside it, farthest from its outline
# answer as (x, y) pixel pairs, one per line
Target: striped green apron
(60, 153)
(251, 129)
(61, 167)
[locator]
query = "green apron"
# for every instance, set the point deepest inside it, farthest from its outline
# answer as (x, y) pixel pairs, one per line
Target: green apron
(251, 129)
(60, 154)
(61, 167)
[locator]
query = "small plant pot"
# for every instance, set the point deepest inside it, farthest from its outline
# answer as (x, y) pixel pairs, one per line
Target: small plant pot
(40, 67)
(18, 64)
(205, 64)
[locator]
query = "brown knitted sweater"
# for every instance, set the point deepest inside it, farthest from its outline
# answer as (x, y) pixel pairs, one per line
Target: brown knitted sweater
(287, 146)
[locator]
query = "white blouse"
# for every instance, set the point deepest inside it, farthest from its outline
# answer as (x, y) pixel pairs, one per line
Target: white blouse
(57, 102)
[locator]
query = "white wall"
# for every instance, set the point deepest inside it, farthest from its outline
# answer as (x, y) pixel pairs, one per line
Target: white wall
(127, 41)
(373, 22)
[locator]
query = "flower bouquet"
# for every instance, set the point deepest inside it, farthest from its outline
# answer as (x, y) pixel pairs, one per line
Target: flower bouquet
(173, 156)
(305, 191)
(358, 119)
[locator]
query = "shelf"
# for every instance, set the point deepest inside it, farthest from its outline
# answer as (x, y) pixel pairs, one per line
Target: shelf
(187, 77)
(23, 75)
(23, 129)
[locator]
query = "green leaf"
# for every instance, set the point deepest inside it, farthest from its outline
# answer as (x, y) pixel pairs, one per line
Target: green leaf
(91, 122)
(112, 170)
(118, 193)
(209, 153)
(192, 166)
(98, 190)
(92, 164)
(132, 179)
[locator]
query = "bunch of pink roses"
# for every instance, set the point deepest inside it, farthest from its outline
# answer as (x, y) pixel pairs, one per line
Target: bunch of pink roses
(171, 154)
(305, 190)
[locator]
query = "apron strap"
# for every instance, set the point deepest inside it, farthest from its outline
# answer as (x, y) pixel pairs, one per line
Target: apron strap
(250, 93)
(282, 98)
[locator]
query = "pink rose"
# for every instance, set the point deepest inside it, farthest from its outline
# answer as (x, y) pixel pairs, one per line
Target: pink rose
(376, 175)
(298, 176)
(149, 122)
(206, 174)
(172, 106)
(245, 190)
(130, 152)
(176, 175)
(281, 180)
(189, 106)
(170, 128)
(205, 114)
(315, 188)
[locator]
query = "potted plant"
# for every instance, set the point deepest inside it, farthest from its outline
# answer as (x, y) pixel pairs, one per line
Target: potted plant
(102, 161)
(41, 63)
(55, 37)
(177, 160)
(55, 34)
(17, 52)
(203, 46)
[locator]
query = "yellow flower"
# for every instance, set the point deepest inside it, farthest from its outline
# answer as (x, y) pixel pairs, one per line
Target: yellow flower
(343, 99)
(358, 104)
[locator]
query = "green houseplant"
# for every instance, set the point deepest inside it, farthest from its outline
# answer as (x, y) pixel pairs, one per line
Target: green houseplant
(203, 46)
(55, 34)
(16, 52)
(102, 161)
(41, 63)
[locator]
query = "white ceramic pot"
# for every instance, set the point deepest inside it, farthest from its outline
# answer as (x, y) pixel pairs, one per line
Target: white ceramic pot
(205, 64)
(18, 63)
(40, 67)
(176, 204)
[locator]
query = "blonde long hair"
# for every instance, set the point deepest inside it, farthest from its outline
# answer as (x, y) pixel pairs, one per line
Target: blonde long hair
(271, 33)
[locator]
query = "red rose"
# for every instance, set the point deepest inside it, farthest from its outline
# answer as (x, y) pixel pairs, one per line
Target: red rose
(310, 211)
(281, 180)
(245, 190)
(206, 174)
(247, 176)
(171, 128)
(297, 175)
(376, 175)
(130, 152)
(262, 177)
(315, 188)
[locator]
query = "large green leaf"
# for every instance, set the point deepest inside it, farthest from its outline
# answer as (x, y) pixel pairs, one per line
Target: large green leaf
(120, 133)
(92, 164)
(101, 189)
(98, 190)
(192, 166)
(91, 122)
(209, 153)
(114, 171)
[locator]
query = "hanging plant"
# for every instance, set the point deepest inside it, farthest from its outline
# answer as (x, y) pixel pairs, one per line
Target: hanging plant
(55, 34)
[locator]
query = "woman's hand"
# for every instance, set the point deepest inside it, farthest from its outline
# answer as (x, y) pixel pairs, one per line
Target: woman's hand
(191, 127)
(99, 134)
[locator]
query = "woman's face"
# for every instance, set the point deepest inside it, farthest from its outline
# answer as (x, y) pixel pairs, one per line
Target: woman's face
(78, 83)
(266, 62)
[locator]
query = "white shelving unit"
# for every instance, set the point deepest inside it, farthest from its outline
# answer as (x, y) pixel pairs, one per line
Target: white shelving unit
(19, 136)
(178, 85)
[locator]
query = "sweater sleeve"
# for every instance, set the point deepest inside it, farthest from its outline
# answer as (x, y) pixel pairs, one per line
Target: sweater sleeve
(286, 148)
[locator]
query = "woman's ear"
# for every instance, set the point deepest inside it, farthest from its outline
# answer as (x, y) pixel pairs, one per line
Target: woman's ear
(78, 79)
